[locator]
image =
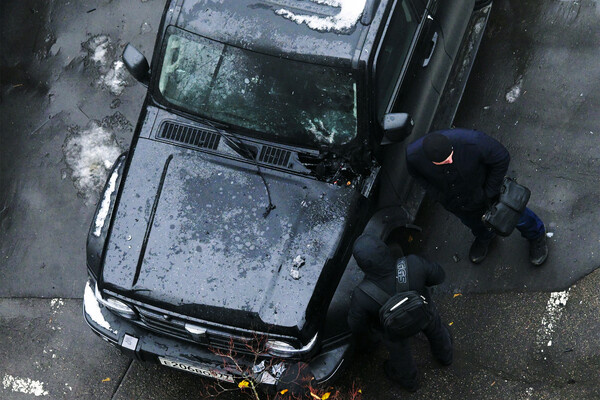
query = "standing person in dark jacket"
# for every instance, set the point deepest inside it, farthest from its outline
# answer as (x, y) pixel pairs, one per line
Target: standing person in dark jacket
(463, 170)
(375, 258)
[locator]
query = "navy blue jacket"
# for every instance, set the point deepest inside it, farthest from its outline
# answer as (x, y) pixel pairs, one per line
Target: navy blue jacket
(472, 180)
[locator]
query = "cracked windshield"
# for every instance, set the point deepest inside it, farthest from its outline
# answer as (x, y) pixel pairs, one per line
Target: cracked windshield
(279, 99)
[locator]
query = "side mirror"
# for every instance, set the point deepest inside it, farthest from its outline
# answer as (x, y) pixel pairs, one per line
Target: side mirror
(396, 127)
(136, 64)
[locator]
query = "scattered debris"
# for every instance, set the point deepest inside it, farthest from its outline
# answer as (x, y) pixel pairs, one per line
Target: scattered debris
(258, 368)
(295, 273)
(278, 369)
(145, 28)
(298, 263)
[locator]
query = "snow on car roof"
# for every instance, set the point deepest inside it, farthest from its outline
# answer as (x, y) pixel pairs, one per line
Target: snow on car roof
(347, 14)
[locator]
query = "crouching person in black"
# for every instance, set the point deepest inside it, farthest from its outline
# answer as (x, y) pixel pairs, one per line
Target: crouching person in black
(375, 258)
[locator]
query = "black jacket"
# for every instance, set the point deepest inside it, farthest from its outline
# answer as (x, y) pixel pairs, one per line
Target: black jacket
(472, 180)
(381, 269)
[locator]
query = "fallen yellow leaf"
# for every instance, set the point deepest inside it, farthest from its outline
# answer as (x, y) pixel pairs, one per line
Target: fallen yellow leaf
(360, 391)
(325, 396)
(243, 384)
(106, 380)
(451, 323)
(284, 391)
(457, 294)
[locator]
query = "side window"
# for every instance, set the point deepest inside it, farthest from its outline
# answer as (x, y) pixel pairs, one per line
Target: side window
(393, 52)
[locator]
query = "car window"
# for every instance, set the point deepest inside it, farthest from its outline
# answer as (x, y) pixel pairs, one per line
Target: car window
(393, 52)
(271, 97)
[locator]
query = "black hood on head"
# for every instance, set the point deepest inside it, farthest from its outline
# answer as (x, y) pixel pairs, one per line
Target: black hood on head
(373, 256)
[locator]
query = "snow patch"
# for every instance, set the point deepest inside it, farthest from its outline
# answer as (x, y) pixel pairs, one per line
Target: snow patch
(99, 47)
(514, 93)
(101, 51)
(57, 303)
(115, 78)
(350, 12)
(91, 308)
(24, 385)
(90, 154)
(554, 310)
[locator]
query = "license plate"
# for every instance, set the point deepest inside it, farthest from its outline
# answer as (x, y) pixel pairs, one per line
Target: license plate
(202, 369)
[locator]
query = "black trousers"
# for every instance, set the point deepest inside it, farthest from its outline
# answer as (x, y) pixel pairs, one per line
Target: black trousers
(401, 365)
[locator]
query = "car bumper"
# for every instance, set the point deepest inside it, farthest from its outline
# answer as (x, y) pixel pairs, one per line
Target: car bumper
(147, 346)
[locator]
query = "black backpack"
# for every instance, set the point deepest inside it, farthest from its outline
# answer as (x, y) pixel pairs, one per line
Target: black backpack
(403, 314)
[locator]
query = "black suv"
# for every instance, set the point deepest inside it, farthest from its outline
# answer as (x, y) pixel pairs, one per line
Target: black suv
(272, 135)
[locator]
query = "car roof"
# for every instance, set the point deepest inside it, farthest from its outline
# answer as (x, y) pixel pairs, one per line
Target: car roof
(325, 32)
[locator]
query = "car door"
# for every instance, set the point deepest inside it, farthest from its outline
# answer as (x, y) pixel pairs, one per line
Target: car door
(451, 18)
(410, 60)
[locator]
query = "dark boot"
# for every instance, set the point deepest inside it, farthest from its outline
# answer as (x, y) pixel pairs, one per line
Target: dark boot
(479, 249)
(410, 385)
(538, 250)
(446, 360)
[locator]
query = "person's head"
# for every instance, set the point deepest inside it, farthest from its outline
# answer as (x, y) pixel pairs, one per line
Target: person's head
(372, 255)
(438, 149)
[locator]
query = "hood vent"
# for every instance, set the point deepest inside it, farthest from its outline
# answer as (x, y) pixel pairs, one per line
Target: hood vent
(274, 156)
(189, 135)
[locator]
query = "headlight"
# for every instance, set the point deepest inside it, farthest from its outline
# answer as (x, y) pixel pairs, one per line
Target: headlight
(283, 349)
(115, 305)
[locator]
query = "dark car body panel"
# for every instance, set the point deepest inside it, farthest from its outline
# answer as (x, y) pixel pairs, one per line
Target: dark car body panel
(208, 240)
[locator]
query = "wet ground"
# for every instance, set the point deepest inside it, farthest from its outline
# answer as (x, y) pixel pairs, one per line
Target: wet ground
(67, 109)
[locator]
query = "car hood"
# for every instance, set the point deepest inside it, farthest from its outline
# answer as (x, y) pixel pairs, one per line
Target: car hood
(189, 235)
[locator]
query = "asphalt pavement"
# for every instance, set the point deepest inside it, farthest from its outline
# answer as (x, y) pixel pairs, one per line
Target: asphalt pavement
(67, 109)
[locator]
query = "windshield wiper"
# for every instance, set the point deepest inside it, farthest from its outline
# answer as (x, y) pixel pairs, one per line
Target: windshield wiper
(245, 150)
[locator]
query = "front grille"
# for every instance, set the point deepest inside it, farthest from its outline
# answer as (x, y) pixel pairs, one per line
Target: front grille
(274, 156)
(158, 323)
(173, 326)
(189, 135)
